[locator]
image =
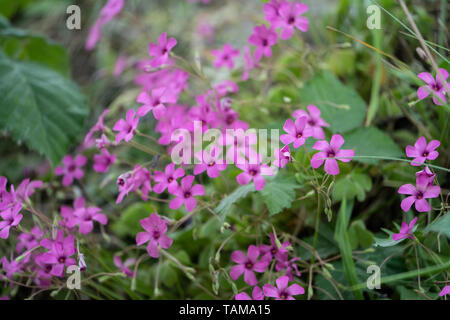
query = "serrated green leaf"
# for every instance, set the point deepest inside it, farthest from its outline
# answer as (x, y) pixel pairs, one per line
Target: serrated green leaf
(441, 226)
(351, 186)
(40, 107)
(279, 193)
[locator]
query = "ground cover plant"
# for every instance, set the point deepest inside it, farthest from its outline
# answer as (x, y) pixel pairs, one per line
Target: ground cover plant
(210, 149)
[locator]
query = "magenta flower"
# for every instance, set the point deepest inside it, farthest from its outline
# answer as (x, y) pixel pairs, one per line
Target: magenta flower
(103, 161)
(257, 294)
(126, 128)
(422, 151)
(85, 217)
(249, 63)
(167, 179)
(433, 86)
(60, 255)
(27, 188)
(160, 51)
(289, 265)
(212, 162)
(291, 18)
(155, 102)
(282, 291)
(11, 218)
(124, 266)
(10, 268)
(67, 213)
(184, 194)
(425, 175)
(71, 169)
(103, 142)
(155, 228)
(282, 157)
(273, 249)
(314, 121)
(406, 231)
(330, 152)
(99, 126)
(248, 264)
(445, 291)
(29, 240)
(272, 11)
(418, 195)
(225, 56)
(255, 172)
(263, 38)
(296, 132)
(120, 65)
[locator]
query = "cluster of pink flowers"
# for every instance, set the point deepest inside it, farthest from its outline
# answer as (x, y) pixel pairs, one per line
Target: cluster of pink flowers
(248, 264)
(424, 188)
(11, 203)
(434, 86)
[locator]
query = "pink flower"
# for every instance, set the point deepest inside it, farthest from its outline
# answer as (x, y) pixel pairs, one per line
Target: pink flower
(296, 132)
(314, 121)
(291, 18)
(85, 217)
(95, 33)
(249, 63)
(120, 65)
(422, 151)
(282, 291)
(225, 56)
(425, 175)
(71, 169)
(434, 86)
(10, 268)
(212, 162)
(155, 102)
(445, 291)
(273, 249)
(60, 255)
(257, 294)
(67, 213)
(263, 38)
(154, 234)
(99, 126)
(167, 179)
(160, 51)
(406, 231)
(254, 172)
(284, 263)
(29, 240)
(103, 161)
(418, 195)
(11, 218)
(248, 264)
(126, 128)
(124, 266)
(330, 152)
(26, 189)
(185, 193)
(272, 11)
(282, 157)
(103, 142)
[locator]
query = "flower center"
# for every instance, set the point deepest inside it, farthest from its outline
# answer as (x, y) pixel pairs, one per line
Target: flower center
(274, 251)
(187, 194)
(291, 20)
(425, 154)
(62, 259)
(299, 135)
(265, 43)
(211, 164)
(331, 154)
(249, 265)
(156, 234)
(419, 195)
(72, 168)
(283, 295)
(170, 180)
(253, 172)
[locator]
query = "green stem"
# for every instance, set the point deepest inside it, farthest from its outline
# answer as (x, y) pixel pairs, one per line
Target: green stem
(316, 235)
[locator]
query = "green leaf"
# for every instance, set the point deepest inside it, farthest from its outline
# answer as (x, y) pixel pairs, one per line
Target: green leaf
(351, 186)
(386, 242)
(241, 192)
(9, 7)
(342, 238)
(23, 45)
(371, 142)
(341, 106)
(40, 107)
(441, 226)
(359, 235)
(279, 193)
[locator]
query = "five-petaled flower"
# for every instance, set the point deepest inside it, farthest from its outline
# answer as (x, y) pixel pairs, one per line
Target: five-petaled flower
(160, 51)
(167, 179)
(11, 218)
(282, 291)
(297, 132)
(422, 151)
(254, 170)
(225, 56)
(71, 169)
(155, 228)
(211, 162)
(257, 294)
(314, 121)
(434, 86)
(124, 266)
(126, 128)
(155, 102)
(330, 152)
(59, 255)
(263, 38)
(418, 195)
(184, 194)
(290, 17)
(248, 264)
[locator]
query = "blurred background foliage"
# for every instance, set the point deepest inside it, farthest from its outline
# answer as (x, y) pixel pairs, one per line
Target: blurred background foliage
(364, 95)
